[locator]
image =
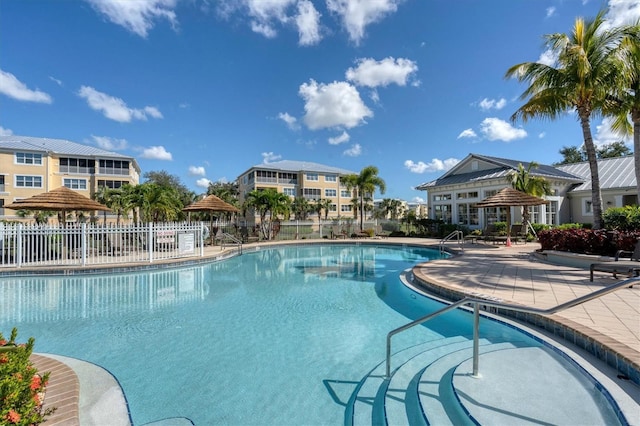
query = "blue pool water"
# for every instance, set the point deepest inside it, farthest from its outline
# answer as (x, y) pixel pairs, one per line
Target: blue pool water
(276, 336)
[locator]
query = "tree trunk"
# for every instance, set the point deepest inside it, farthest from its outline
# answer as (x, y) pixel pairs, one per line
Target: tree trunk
(596, 196)
(635, 117)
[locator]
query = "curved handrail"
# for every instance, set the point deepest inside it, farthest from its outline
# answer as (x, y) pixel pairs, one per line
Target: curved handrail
(226, 236)
(457, 234)
(516, 308)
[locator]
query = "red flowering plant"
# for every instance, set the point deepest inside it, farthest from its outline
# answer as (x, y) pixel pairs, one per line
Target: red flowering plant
(22, 389)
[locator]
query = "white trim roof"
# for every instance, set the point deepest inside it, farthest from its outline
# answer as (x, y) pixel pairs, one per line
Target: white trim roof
(299, 166)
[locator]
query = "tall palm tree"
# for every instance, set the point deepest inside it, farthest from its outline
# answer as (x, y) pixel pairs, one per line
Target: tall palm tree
(322, 204)
(581, 80)
(102, 196)
(365, 185)
(523, 180)
(300, 208)
(269, 203)
(628, 99)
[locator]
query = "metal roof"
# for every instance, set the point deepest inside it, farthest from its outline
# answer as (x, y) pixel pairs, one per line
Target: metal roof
(613, 173)
(55, 146)
(301, 166)
(504, 167)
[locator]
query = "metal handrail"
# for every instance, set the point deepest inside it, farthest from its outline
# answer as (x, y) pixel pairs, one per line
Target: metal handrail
(516, 308)
(225, 236)
(458, 235)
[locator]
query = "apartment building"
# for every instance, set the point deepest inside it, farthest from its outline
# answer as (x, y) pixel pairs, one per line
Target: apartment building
(30, 166)
(299, 179)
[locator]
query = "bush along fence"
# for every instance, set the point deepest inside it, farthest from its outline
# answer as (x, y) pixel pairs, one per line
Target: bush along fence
(86, 244)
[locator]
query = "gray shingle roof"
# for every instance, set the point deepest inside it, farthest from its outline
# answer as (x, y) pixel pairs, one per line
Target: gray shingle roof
(301, 166)
(56, 146)
(613, 172)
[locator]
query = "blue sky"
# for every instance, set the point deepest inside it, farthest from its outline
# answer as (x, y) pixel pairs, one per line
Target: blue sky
(205, 89)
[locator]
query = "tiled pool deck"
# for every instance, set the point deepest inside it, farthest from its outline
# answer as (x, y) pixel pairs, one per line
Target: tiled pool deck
(609, 325)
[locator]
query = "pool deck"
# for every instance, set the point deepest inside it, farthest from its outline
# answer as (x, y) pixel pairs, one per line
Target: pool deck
(509, 274)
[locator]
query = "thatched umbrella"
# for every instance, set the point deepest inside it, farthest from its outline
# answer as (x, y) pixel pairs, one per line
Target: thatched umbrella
(61, 199)
(508, 197)
(211, 204)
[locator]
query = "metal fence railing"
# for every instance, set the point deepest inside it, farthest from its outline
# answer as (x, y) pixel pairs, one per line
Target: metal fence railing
(92, 244)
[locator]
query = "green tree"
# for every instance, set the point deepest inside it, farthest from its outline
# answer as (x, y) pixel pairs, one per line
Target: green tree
(300, 208)
(269, 203)
(226, 191)
(391, 208)
(160, 203)
(364, 185)
(627, 103)
(581, 80)
(523, 180)
(102, 196)
(322, 205)
(574, 154)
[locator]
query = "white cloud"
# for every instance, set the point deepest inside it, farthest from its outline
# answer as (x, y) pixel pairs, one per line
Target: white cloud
(468, 133)
(435, 165)
(5, 132)
(268, 157)
(622, 12)
(308, 23)
(542, 135)
(357, 14)
(354, 151)
(605, 135)
(156, 153)
(344, 137)
(265, 13)
(55, 80)
(551, 11)
(372, 73)
(419, 200)
(137, 16)
(203, 183)
(14, 88)
(291, 121)
(487, 104)
(337, 104)
(548, 57)
(110, 144)
(115, 108)
(197, 171)
(496, 129)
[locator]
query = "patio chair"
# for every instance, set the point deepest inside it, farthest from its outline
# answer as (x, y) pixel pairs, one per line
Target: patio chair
(336, 232)
(629, 267)
(518, 233)
(379, 232)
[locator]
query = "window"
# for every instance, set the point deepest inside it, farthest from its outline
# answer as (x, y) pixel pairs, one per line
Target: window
(346, 208)
(77, 165)
(465, 195)
(28, 158)
(468, 214)
(75, 183)
(442, 197)
(2, 183)
(311, 193)
(552, 213)
(330, 192)
(490, 193)
(330, 178)
(442, 212)
(333, 208)
(111, 184)
(345, 194)
(1, 206)
(28, 181)
(290, 178)
(289, 191)
(114, 167)
(312, 176)
(587, 207)
(496, 214)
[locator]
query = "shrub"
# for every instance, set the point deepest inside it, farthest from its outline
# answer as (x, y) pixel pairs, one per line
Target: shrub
(588, 241)
(625, 218)
(21, 387)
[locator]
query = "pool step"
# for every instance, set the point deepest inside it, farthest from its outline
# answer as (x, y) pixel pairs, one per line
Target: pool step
(409, 393)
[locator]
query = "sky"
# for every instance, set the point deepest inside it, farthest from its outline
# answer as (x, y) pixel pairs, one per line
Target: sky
(206, 89)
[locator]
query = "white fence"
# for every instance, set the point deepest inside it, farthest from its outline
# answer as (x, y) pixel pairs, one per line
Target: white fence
(86, 245)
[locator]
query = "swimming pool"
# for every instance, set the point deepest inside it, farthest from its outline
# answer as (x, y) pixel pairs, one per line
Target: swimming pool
(277, 336)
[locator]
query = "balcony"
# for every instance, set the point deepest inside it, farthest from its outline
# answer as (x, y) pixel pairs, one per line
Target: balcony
(78, 170)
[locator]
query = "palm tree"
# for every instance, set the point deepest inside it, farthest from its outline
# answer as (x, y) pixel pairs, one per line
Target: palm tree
(300, 208)
(102, 196)
(269, 203)
(584, 76)
(524, 181)
(322, 204)
(365, 185)
(628, 99)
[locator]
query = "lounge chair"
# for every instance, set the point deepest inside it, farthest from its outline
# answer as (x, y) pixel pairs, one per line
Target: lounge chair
(246, 238)
(518, 233)
(336, 232)
(624, 267)
(379, 232)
